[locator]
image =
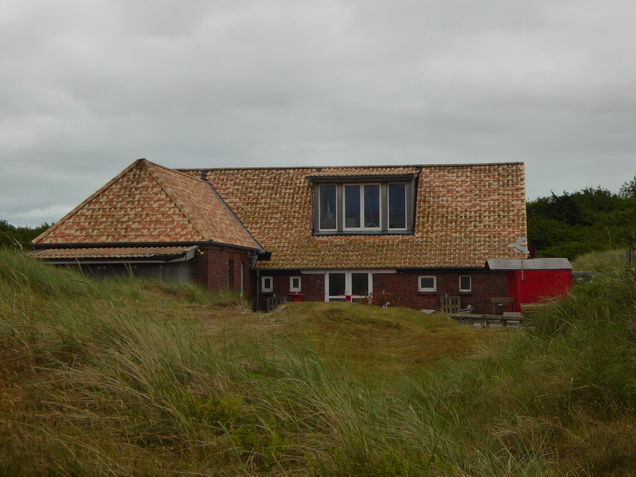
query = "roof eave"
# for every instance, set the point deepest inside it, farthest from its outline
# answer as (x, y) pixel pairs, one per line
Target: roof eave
(138, 244)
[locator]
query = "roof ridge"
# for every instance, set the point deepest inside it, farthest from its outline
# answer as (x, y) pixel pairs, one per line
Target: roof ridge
(184, 208)
(353, 166)
(88, 200)
(176, 171)
(231, 212)
(151, 168)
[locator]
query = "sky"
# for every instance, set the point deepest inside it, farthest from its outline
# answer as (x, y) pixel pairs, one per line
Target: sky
(89, 86)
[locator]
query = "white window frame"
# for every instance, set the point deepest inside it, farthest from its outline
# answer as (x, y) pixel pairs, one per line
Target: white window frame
(362, 210)
(470, 282)
(426, 289)
(293, 288)
(348, 285)
(265, 289)
(340, 207)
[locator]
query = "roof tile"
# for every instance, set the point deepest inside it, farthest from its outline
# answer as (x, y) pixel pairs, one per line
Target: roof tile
(464, 214)
(150, 203)
(109, 252)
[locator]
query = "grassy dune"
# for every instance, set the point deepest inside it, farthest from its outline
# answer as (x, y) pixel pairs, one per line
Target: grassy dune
(607, 259)
(135, 378)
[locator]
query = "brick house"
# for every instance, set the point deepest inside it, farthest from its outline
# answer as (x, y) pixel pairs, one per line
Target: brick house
(154, 222)
(408, 235)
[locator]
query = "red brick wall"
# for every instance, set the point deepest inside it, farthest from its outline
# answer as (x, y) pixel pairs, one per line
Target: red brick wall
(218, 267)
(312, 286)
(403, 288)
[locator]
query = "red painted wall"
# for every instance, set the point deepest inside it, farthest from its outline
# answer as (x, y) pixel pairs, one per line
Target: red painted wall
(534, 286)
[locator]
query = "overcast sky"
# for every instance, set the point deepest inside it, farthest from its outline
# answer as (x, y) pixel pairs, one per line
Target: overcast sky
(88, 86)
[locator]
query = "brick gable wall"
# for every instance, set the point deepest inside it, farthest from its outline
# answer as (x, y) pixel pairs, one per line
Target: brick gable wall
(218, 267)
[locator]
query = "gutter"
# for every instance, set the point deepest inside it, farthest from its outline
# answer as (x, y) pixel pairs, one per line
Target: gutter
(137, 244)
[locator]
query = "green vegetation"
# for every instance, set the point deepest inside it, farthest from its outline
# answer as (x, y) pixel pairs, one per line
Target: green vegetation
(18, 237)
(135, 378)
(601, 261)
(570, 225)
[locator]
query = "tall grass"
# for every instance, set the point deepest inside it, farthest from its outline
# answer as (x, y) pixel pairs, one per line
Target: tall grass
(120, 378)
(600, 260)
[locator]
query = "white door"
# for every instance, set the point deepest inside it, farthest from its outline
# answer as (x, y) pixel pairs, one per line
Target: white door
(348, 286)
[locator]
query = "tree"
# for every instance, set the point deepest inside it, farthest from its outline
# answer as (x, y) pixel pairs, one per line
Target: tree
(628, 189)
(593, 219)
(18, 237)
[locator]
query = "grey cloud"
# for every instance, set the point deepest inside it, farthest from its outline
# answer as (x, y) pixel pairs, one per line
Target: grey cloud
(90, 86)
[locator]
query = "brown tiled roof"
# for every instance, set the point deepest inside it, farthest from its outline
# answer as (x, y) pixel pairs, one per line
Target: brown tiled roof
(148, 203)
(465, 214)
(100, 253)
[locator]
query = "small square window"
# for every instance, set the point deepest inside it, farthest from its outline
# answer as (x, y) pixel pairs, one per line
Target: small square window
(294, 284)
(267, 284)
(427, 284)
(465, 283)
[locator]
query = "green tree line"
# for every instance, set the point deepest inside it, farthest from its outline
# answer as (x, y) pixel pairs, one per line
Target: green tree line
(593, 219)
(18, 237)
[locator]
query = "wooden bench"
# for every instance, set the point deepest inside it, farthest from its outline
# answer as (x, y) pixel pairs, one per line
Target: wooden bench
(486, 320)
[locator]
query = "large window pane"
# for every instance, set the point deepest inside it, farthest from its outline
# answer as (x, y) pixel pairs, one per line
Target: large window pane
(352, 206)
(465, 283)
(372, 206)
(360, 284)
(397, 206)
(337, 284)
(328, 207)
(367, 208)
(427, 283)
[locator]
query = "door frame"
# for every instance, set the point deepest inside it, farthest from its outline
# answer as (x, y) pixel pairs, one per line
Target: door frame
(348, 296)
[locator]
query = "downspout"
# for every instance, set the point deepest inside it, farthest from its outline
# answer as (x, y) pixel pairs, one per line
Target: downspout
(257, 290)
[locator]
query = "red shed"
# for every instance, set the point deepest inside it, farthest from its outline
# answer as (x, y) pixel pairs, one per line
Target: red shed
(534, 280)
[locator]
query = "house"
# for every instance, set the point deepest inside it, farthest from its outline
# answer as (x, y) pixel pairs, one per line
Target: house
(154, 222)
(406, 235)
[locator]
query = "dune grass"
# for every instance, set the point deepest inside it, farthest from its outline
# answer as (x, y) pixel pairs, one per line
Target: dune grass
(136, 378)
(594, 261)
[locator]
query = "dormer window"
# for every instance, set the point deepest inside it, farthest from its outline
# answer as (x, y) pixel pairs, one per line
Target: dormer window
(328, 207)
(362, 206)
(367, 207)
(397, 205)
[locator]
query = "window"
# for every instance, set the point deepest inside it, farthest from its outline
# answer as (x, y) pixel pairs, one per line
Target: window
(267, 284)
(427, 284)
(397, 206)
(465, 283)
(328, 208)
(294, 284)
(363, 208)
(347, 286)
